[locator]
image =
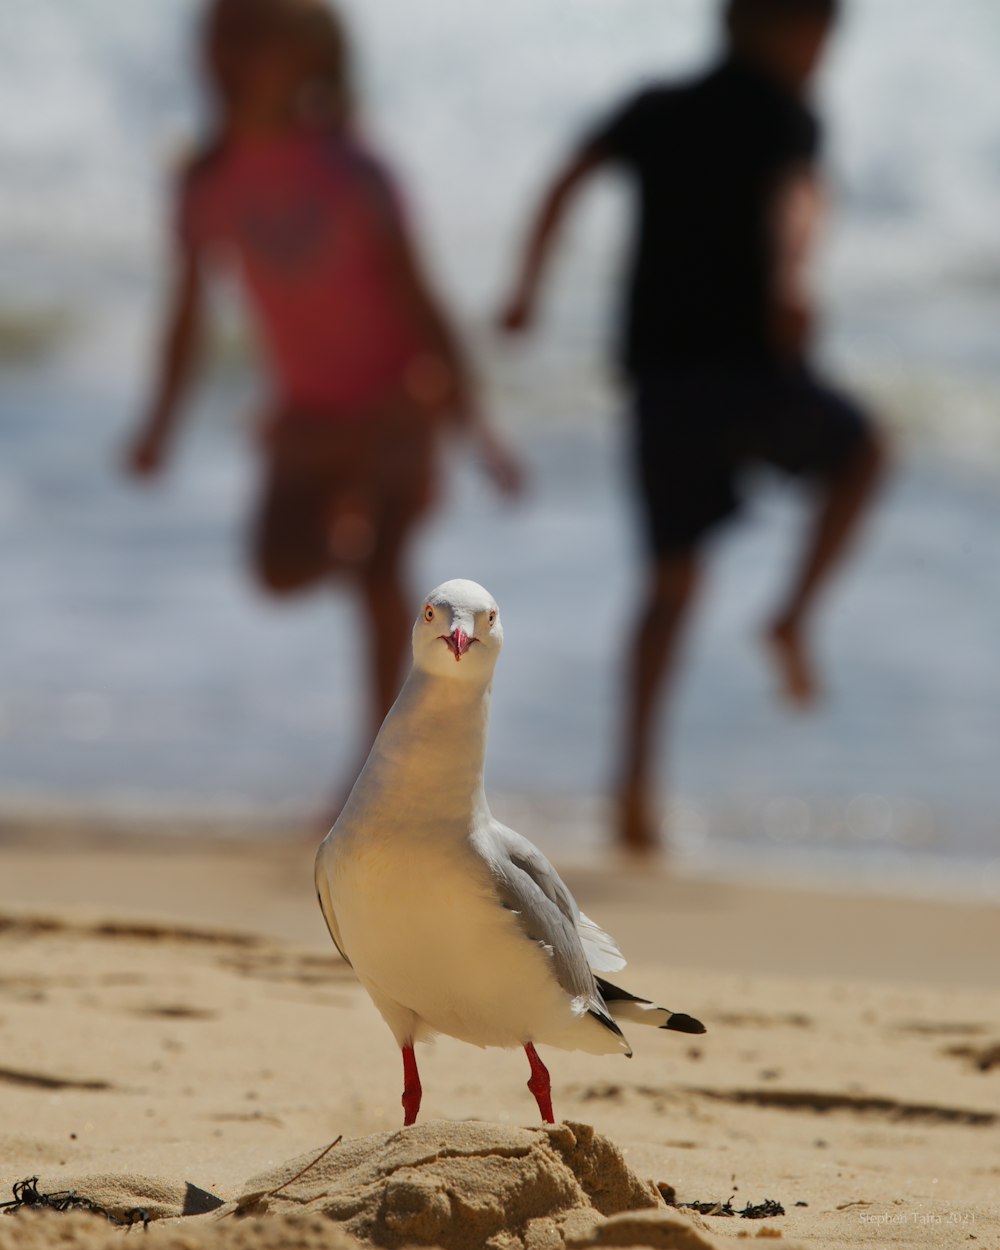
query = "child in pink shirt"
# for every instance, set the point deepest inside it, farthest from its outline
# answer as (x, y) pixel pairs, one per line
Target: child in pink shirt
(365, 369)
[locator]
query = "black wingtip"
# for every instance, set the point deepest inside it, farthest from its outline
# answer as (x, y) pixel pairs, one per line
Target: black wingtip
(610, 1025)
(615, 994)
(681, 1023)
(602, 1018)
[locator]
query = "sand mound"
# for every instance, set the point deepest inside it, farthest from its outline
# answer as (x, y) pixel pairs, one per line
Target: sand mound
(465, 1186)
(457, 1186)
(641, 1230)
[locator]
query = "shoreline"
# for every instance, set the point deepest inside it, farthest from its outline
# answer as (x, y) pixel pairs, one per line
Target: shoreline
(569, 832)
(212, 875)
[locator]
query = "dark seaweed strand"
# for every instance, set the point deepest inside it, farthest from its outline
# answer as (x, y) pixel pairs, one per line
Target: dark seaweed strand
(752, 1211)
(762, 1210)
(26, 1195)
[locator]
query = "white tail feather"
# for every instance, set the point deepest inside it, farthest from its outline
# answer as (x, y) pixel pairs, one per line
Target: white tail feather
(600, 948)
(639, 1013)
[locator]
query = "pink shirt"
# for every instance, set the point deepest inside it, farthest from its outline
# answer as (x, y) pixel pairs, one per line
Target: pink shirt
(308, 218)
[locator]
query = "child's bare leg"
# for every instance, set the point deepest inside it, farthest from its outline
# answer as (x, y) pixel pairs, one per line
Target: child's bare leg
(371, 536)
(385, 596)
(845, 500)
(651, 662)
(376, 577)
(387, 608)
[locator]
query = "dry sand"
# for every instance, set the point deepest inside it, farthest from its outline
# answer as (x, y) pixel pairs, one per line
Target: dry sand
(176, 1031)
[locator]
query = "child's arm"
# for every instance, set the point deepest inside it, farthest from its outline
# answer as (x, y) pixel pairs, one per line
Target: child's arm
(519, 311)
(795, 211)
(148, 449)
(445, 377)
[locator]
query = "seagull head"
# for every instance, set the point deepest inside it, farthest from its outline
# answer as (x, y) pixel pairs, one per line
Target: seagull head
(458, 632)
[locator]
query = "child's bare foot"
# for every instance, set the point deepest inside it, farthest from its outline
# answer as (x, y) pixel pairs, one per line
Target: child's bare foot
(637, 832)
(791, 657)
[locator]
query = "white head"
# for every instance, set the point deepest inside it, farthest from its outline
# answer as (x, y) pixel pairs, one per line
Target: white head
(458, 632)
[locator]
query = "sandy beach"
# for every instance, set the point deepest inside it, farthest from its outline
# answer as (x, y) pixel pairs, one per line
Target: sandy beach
(180, 1043)
(171, 1008)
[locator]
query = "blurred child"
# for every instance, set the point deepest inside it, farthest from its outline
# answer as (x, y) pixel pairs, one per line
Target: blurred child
(365, 370)
(716, 340)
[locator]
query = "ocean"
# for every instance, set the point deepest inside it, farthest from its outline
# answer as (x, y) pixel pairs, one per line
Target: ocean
(142, 678)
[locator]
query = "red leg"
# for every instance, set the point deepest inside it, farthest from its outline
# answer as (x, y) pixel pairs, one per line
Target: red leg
(540, 1084)
(411, 1087)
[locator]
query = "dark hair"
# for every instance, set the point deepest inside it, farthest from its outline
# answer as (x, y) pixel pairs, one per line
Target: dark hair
(753, 12)
(230, 26)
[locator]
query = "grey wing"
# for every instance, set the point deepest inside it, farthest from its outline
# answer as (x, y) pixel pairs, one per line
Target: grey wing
(529, 887)
(326, 907)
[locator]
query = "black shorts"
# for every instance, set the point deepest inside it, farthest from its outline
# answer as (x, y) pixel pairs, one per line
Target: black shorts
(698, 429)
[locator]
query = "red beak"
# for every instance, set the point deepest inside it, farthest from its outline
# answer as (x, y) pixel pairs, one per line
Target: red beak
(458, 643)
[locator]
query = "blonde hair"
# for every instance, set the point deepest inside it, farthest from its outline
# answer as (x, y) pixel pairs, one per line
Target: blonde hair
(232, 28)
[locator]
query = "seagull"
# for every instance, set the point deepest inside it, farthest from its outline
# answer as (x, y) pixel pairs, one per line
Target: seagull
(452, 922)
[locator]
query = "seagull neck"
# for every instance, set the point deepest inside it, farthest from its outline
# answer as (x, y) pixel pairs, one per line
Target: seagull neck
(433, 745)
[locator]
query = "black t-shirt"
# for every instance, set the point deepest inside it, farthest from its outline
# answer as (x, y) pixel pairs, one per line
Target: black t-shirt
(707, 156)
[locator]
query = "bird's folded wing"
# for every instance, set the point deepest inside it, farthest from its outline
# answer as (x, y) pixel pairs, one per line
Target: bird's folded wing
(529, 887)
(326, 906)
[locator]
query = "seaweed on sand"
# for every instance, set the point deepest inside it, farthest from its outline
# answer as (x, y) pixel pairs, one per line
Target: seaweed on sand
(26, 1194)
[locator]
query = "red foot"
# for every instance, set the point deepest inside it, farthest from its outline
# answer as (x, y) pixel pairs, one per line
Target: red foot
(411, 1087)
(540, 1085)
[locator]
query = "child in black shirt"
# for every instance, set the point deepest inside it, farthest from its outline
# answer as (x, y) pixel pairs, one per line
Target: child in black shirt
(716, 335)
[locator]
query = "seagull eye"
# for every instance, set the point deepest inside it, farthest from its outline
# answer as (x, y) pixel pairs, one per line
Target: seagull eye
(493, 617)
(428, 613)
